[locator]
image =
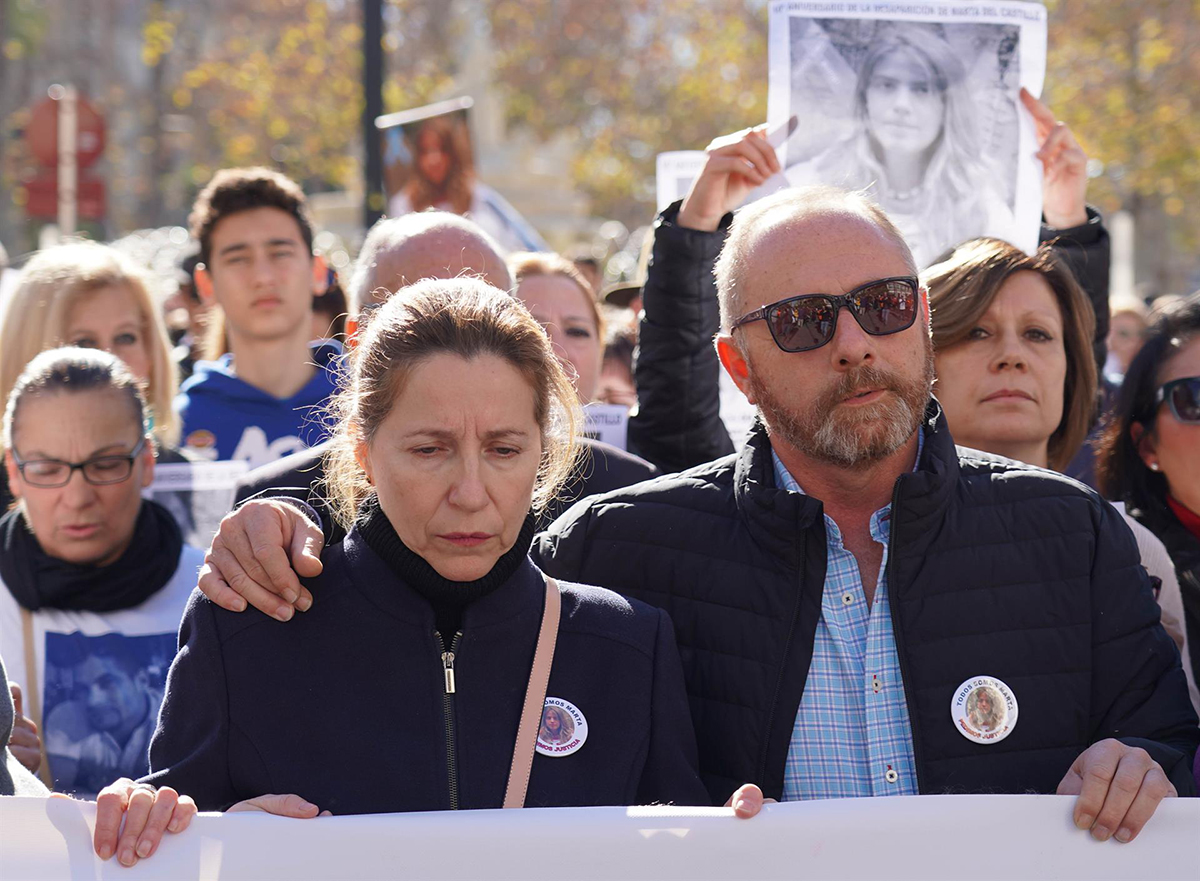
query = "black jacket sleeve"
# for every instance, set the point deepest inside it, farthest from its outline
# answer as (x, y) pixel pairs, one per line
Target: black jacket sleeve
(1087, 251)
(190, 747)
(670, 775)
(1139, 693)
(678, 422)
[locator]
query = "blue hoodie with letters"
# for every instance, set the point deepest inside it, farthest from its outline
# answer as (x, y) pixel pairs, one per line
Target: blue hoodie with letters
(224, 417)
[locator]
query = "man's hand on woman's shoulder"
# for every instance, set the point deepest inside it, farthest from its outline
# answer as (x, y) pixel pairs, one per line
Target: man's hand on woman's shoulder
(258, 556)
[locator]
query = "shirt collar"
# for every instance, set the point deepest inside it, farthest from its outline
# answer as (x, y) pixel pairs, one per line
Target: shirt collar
(786, 481)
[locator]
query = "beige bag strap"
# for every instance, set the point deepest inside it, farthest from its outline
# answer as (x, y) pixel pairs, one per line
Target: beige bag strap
(33, 695)
(535, 700)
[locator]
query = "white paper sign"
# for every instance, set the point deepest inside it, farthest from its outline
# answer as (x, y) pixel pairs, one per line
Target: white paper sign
(198, 495)
(607, 423)
(930, 837)
(674, 174)
(736, 412)
(916, 102)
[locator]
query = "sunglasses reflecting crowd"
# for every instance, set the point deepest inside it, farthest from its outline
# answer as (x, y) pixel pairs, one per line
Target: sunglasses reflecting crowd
(974, 477)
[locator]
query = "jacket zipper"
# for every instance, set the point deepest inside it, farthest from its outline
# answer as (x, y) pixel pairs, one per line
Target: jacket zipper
(898, 636)
(448, 691)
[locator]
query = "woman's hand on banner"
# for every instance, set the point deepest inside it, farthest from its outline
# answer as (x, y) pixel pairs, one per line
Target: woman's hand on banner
(737, 163)
(148, 813)
(1064, 167)
(281, 806)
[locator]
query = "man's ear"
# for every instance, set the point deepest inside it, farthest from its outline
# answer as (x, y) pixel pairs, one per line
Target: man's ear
(1144, 442)
(926, 311)
(204, 284)
(10, 467)
(320, 273)
(735, 364)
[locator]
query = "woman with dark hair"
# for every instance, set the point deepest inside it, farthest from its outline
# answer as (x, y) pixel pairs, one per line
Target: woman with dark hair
(456, 425)
(1149, 457)
(1012, 337)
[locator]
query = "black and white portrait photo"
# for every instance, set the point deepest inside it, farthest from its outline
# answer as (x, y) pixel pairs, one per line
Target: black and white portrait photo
(923, 114)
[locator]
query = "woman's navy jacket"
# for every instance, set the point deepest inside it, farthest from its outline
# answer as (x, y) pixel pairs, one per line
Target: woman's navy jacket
(346, 704)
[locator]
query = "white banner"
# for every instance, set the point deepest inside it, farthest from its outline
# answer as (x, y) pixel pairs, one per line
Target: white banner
(918, 103)
(198, 495)
(953, 837)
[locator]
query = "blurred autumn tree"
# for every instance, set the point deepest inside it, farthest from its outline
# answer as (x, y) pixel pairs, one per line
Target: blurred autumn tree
(630, 79)
(278, 82)
(281, 85)
(1126, 78)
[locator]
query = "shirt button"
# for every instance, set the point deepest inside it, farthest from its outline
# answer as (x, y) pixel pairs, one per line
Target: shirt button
(847, 598)
(876, 684)
(891, 776)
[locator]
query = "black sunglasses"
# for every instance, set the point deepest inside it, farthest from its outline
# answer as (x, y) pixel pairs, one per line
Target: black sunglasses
(798, 324)
(1184, 397)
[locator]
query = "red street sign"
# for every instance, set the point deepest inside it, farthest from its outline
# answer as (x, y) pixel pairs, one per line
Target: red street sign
(42, 133)
(42, 201)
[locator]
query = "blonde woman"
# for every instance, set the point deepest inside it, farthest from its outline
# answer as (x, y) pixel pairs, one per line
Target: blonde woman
(93, 296)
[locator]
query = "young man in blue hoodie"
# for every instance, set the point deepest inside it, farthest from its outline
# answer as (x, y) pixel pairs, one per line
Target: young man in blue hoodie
(261, 400)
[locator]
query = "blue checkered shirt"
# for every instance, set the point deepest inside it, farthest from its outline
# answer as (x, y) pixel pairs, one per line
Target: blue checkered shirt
(852, 735)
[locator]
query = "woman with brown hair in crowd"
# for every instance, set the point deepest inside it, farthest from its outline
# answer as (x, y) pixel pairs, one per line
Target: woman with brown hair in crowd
(456, 426)
(1012, 337)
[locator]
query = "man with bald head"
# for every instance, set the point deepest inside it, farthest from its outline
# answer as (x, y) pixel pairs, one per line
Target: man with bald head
(399, 251)
(846, 586)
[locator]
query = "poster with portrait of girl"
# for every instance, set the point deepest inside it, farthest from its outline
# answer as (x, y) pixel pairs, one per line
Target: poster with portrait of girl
(917, 103)
(429, 162)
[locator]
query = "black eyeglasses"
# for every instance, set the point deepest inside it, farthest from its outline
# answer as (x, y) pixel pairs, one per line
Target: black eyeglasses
(100, 471)
(798, 324)
(1184, 397)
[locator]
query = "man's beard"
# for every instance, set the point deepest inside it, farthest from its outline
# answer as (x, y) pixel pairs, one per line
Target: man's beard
(850, 437)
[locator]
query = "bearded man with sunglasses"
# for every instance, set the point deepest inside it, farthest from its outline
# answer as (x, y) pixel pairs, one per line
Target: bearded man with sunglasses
(842, 586)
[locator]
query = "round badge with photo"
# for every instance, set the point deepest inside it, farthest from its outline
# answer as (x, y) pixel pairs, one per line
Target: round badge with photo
(563, 729)
(984, 710)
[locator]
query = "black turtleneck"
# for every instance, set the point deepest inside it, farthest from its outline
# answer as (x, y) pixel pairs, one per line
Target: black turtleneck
(448, 598)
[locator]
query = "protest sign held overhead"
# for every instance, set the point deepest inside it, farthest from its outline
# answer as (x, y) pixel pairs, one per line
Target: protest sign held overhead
(918, 104)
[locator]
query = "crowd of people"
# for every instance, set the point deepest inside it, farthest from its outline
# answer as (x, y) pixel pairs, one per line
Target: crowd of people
(958, 552)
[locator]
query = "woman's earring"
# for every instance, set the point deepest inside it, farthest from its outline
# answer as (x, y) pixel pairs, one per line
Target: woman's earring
(1153, 466)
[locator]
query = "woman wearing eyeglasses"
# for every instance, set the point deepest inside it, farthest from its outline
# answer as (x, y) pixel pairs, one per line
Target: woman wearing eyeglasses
(95, 578)
(1150, 455)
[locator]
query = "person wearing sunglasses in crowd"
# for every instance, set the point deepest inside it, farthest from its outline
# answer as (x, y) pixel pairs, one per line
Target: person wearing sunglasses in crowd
(95, 578)
(678, 424)
(844, 583)
(1149, 457)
